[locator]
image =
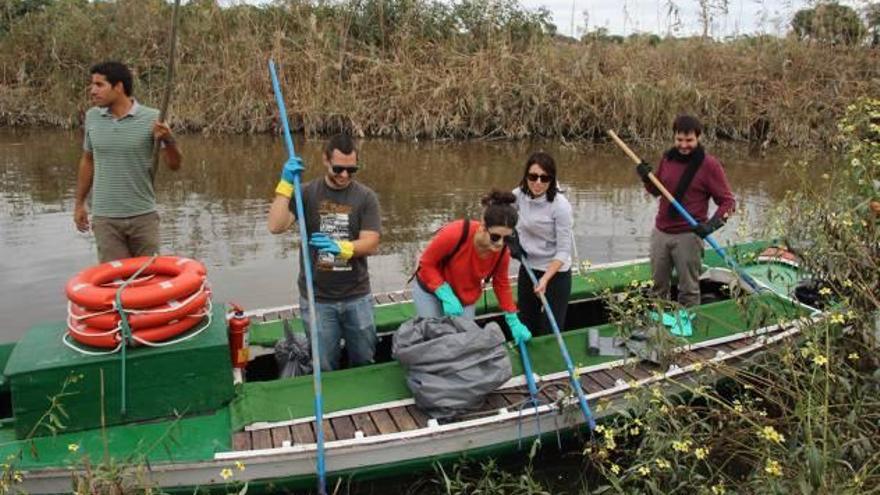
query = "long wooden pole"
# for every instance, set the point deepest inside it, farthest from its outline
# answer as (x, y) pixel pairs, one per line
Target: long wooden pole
(687, 216)
(169, 85)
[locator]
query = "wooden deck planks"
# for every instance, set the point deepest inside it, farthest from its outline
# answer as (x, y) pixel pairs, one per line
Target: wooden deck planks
(603, 378)
(402, 418)
(303, 433)
(418, 416)
(329, 434)
(280, 434)
(383, 421)
(241, 440)
(344, 427)
(364, 423)
(590, 385)
(262, 439)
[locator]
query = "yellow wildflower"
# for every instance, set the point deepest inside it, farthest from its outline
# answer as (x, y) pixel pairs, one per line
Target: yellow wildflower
(698, 366)
(226, 473)
(73, 447)
(770, 434)
(718, 489)
(701, 453)
(644, 470)
(637, 421)
(239, 465)
(820, 360)
(655, 391)
(681, 446)
(824, 291)
(837, 318)
(634, 431)
(663, 463)
(847, 283)
(737, 406)
(664, 409)
(600, 428)
(773, 468)
(615, 469)
(853, 356)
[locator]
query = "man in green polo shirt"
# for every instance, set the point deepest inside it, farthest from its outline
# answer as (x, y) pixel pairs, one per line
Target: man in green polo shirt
(116, 167)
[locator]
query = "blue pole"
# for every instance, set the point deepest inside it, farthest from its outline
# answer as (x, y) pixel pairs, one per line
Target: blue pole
(310, 290)
(687, 216)
(527, 369)
(575, 384)
(718, 249)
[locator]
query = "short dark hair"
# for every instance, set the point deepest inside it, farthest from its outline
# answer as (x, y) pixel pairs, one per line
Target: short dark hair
(115, 72)
(687, 124)
(546, 162)
(499, 209)
(342, 142)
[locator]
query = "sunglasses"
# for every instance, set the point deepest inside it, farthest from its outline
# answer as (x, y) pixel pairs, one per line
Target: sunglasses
(538, 177)
(338, 169)
(497, 238)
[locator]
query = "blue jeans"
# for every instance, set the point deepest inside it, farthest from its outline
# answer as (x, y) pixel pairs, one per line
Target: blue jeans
(350, 321)
(429, 306)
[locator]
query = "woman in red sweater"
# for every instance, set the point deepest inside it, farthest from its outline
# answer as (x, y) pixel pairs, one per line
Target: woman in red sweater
(462, 254)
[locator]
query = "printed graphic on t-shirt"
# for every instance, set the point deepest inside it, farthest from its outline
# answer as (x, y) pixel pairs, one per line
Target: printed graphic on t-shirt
(335, 220)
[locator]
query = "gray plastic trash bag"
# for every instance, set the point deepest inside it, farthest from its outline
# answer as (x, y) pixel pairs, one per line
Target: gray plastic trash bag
(293, 354)
(452, 364)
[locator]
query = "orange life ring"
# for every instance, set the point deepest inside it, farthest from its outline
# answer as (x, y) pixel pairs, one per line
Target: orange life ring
(88, 288)
(158, 316)
(109, 339)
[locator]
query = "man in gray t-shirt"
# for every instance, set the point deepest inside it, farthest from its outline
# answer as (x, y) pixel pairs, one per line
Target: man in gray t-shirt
(343, 221)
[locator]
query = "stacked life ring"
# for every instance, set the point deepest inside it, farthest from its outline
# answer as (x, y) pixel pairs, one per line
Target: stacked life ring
(169, 297)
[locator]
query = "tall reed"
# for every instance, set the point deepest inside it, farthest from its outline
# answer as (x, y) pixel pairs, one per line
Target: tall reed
(423, 69)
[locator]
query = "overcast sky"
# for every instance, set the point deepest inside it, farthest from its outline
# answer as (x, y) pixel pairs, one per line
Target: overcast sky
(628, 16)
(574, 17)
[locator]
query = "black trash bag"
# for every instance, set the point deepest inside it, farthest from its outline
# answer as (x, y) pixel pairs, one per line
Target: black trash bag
(293, 353)
(808, 292)
(451, 363)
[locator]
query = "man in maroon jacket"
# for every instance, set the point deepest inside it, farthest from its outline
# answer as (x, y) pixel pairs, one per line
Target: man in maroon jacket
(693, 176)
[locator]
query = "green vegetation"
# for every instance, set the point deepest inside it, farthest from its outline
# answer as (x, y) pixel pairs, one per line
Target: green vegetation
(424, 69)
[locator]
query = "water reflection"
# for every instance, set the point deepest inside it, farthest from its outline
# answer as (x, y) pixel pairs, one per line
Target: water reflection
(214, 209)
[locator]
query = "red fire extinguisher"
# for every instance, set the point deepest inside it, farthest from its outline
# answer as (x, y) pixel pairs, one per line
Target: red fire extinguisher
(238, 341)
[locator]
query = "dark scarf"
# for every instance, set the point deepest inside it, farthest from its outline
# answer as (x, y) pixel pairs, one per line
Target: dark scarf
(693, 161)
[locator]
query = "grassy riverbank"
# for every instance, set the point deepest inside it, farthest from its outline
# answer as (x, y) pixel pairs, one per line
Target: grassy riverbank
(417, 69)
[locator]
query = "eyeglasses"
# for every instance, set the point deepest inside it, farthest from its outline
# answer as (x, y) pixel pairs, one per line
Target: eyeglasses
(338, 169)
(497, 238)
(544, 178)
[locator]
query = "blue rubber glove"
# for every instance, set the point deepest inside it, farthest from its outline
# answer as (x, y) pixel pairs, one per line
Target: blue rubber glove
(323, 243)
(517, 329)
(451, 304)
(292, 168)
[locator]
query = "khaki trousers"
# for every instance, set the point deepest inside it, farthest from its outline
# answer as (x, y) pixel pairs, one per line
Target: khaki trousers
(119, 238)
(684, 253)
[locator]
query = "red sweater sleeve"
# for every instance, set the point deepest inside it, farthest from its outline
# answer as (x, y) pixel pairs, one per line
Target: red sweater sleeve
(430, 271)
(501, 284)
(719, 189)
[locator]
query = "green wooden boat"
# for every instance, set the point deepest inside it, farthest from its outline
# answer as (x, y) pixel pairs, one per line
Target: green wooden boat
(189, 421)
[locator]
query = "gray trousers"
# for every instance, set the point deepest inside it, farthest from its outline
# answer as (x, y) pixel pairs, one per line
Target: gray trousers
(684, 252)
(119, 238)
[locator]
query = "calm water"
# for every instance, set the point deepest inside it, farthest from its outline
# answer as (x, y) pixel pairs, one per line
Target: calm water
(214, 209)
